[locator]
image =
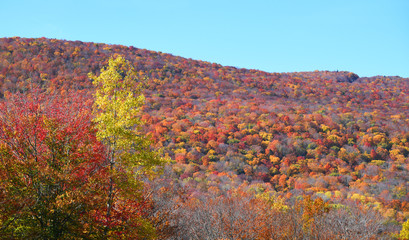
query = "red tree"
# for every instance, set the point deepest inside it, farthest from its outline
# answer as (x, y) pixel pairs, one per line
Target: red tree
(51, 166)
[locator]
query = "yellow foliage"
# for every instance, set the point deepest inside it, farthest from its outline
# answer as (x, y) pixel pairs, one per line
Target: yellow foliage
(337, 194)
(379, 139)
(118, 100)
(274, 160)
(357, 196)
(404, 233)
(211, 152)
(377, 162)
(333, 138)
(325, 128)
(266, 136)
(180, 150)
(277, 202)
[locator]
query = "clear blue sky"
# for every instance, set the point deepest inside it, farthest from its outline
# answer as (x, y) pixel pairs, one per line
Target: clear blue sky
(368, 37)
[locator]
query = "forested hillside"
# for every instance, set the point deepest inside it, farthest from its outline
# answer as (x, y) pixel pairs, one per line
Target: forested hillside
(317, 139)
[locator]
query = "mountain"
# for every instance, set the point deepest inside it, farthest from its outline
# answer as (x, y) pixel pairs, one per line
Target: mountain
(327, 134)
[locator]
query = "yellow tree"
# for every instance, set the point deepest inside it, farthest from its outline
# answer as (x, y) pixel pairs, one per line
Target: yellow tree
(404, 233)
(118, 99)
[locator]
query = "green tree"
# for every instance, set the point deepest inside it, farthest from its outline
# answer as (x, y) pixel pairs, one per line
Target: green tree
(118, 99)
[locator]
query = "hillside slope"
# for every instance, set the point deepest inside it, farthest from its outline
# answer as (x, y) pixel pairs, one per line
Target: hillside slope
(307, 132)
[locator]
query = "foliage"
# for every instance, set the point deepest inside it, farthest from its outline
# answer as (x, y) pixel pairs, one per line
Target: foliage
(241, 215)
(118, 100)
(50, 160)
(404, 233)
(324, 134)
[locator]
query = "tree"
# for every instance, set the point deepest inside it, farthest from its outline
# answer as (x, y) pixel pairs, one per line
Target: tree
(50, 161)
(118, 99)
(404, 233)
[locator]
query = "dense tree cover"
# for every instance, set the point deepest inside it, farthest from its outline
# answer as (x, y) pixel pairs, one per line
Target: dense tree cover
(251, 212)
(51, 165)
(64, 177)
(324, 134)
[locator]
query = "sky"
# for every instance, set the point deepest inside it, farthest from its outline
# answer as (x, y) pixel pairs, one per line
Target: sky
(367, 37)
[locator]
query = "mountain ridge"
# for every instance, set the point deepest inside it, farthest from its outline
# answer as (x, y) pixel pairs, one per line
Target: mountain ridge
(160, 52)
(315, 133)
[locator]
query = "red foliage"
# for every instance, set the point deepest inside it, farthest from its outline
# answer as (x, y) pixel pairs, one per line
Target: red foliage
(306, 124)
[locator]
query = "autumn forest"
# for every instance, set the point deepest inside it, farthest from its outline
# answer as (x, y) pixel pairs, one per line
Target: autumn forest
(202, 151)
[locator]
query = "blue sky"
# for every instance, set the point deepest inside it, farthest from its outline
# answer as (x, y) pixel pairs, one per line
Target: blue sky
(368, 37)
